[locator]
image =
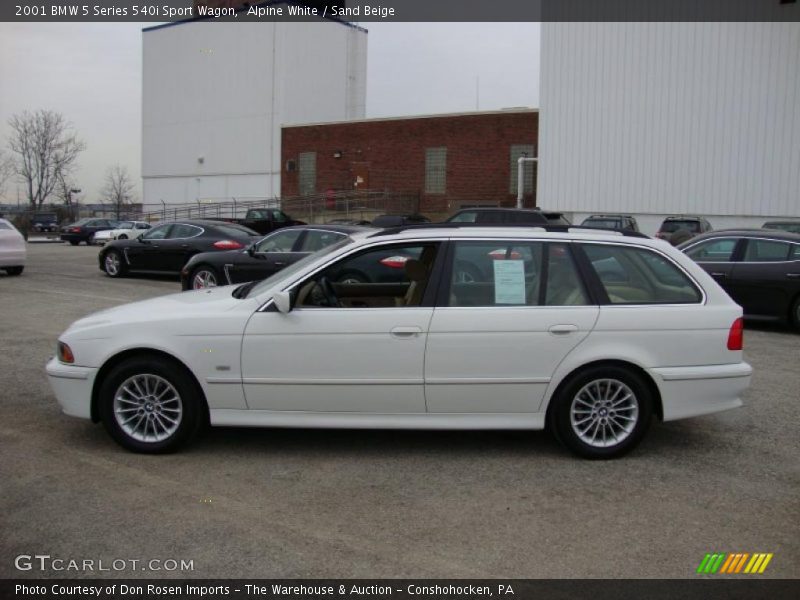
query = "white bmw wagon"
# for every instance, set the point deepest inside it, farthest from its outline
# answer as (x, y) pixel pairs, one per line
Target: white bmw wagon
(589, 334)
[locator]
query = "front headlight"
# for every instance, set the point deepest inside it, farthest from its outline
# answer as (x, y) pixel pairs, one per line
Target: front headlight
(65, 354)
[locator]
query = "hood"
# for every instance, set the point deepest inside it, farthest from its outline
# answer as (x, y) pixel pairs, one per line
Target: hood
(173, 308)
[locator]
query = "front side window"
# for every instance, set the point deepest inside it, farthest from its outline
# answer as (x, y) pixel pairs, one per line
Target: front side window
(512, 273)
(766, 251)
(125, 225)
(712, 251)
(389, 276)
(640, 276)
(283, 241)
(142, 226)
(157, 233)
(279, 217)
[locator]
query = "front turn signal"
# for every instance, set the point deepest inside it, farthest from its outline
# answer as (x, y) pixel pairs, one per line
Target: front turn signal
(65, 353)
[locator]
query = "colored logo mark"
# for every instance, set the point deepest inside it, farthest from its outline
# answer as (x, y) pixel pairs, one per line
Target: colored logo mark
(735, 562)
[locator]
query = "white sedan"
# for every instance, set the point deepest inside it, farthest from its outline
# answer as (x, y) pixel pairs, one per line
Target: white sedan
(13, 250)
(588, 334)
(125, 230)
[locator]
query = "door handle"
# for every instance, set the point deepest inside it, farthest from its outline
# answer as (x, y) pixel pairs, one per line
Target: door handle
(406, 332)
(563, 329)
(278, 263)
(184, 245)
(720, 275)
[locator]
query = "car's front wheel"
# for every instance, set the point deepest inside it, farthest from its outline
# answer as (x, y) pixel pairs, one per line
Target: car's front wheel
(602, 412)
(150, 405)
(14, 270)
(794, 316)
(204, 277)
(74, 242)
(113, 265)
(122, 236)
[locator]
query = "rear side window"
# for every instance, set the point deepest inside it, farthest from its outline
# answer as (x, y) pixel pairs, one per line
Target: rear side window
(182, 231)
(464, 217)
(511, 273)
(316, 240)
(639, 276)
(766, 251)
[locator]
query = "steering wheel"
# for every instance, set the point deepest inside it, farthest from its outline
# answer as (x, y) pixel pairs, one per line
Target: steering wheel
(328, 292)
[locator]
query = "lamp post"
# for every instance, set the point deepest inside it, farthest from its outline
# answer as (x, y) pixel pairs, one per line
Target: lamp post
(77, 202)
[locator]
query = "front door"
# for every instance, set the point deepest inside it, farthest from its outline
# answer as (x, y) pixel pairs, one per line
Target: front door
(763, 281)
(332, 353)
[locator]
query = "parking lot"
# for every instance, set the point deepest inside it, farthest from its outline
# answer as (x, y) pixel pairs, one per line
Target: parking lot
(310, 503)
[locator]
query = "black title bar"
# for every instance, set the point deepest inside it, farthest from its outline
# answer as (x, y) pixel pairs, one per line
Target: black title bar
(366, 11)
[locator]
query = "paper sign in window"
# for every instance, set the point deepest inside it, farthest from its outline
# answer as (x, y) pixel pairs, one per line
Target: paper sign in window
(509, 282)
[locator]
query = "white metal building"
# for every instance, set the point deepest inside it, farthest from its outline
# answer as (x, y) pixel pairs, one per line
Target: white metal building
(215, 95)
(671, 118)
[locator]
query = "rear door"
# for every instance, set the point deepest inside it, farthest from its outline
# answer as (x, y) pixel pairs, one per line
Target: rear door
(507, 314)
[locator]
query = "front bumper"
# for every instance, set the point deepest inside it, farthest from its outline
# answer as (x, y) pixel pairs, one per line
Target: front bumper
(72, 387)
(695, 391)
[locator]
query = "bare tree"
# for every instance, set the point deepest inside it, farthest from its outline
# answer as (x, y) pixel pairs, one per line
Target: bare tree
(46, 147)
(118, 188)
(6, 169)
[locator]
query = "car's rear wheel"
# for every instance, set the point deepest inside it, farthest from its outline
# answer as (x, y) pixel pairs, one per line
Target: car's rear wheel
(204, 277)
(122, 236)
(74, 242)
(14, 270)
(113, 264)
(351, 277)
(602, 412)
(150, 405)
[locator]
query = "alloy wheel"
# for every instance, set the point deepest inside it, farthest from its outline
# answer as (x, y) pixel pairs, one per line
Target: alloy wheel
(604, 412)
(148, 408)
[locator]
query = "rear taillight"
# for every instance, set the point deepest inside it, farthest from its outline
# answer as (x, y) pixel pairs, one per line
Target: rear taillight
(736, 335)
(228, 245)
(75, 230)
(394, 262)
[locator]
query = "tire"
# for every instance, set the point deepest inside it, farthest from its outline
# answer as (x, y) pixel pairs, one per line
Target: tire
(113, 264)
(132, 413)
(589, 418)
(204, 277)
(122, 237)
(14, 270)
(351, 277)
(74, 242)
(794, 315)
(90, 240)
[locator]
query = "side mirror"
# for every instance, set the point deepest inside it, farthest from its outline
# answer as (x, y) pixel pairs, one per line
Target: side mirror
(283, 301)
(251, 249)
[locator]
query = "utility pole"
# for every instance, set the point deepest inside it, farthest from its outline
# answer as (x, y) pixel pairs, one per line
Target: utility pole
(521, 179)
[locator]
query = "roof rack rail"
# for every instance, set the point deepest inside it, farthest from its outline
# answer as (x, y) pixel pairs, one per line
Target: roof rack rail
(543, 227)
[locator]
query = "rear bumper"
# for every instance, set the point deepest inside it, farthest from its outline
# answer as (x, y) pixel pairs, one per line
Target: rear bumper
(12, 258)
(72, 387)
(694, 391)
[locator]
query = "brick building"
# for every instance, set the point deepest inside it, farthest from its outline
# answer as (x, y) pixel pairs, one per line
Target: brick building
(450, 161)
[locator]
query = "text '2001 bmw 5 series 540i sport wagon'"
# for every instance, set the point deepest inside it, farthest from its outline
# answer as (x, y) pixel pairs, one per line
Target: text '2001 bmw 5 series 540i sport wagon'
(589, 334)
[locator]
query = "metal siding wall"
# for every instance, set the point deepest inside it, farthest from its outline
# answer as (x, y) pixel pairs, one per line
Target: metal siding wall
(222, 91)
(666, 118)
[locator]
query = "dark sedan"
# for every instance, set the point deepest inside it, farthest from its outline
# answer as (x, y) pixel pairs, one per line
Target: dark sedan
(759, 268)
(84, 230)
(262, 258)
(167, 247)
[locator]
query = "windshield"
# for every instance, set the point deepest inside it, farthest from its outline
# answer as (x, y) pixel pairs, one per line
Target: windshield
(295, 268)
(604, 223)
(673, 226)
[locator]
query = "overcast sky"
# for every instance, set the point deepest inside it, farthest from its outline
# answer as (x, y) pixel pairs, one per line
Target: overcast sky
(91, 72)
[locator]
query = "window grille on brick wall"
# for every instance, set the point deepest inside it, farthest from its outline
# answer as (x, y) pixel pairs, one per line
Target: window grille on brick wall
(435, 170)
(307, 173)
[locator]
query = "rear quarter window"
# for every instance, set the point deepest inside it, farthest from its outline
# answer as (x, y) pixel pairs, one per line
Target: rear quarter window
(631, 275)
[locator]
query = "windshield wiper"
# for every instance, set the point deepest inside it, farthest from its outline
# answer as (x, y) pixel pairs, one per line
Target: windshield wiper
(243, 290)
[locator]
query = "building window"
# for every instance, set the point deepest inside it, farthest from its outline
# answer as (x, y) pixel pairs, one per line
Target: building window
(307, 173)
(435, 170)
(517, 152)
